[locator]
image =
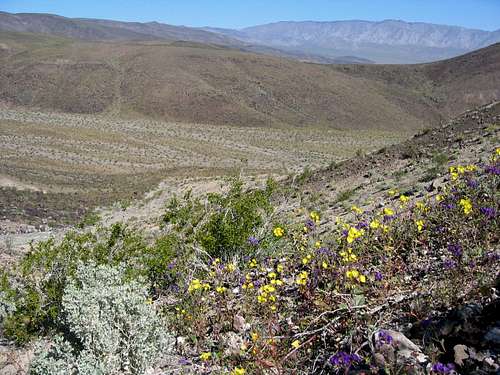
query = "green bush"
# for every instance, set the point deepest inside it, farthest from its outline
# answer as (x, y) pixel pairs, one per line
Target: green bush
(233, 220)
(224, 223)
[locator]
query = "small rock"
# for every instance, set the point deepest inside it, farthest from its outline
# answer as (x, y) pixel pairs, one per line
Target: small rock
(239, 324)
(232, 343)
(460, 354)
(8, 370)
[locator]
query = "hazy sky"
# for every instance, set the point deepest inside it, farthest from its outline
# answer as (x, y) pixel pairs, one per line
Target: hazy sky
(481, 14)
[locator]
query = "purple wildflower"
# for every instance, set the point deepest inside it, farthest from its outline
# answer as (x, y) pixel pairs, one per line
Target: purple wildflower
(310, 224)
(324, 251)
(489, 212)
(472, 184)
(361, 224)
(385, 338)
(378, 276)
(441, 368)
(448, 206)
(492, 169)
(426, 322)
(343, 359)
(253, 241)
(455, 249)
(449, 264)
(388, 218)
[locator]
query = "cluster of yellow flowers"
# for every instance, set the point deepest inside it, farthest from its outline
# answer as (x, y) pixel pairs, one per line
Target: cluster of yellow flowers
(420, 225)
(278, 232)
(302, 278)
(315, 217)
(404, 199)
(238, 371)
(353, 234)
(196, 284)
(496, 155)
(455, 172)
(356, 275)
(466, 205)
(357, 210)
(306, 259)
(348, 256)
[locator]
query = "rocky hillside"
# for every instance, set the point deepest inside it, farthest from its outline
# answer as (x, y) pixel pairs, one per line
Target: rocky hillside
(196, 83)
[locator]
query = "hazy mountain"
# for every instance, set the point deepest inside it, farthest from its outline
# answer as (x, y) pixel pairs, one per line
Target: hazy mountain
(93, 29)
(107, 30)
(388, 41)
(324, 42)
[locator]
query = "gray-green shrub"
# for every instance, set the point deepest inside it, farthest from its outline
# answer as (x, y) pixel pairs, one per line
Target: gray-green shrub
(112, 327)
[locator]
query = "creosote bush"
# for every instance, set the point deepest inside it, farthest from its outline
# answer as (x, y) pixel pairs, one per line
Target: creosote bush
(222, 226)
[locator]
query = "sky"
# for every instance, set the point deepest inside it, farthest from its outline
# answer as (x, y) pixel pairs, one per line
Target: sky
(479, 14)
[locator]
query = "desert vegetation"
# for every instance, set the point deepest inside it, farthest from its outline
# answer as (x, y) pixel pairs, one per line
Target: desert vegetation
(240, 285)
(64, 165)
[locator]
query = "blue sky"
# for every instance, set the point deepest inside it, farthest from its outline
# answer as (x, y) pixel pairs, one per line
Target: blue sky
(481, 14)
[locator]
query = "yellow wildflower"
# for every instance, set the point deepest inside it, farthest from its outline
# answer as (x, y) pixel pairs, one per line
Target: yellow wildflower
(279, 268)
(352, 274)
(324, 265)
(302, 278)
(466, 205)
(205, 356)
(404, 199)
(374, 224)
(231, 267)
(356, 210)
(353, 234)
(194, 285)
(220, 289)
(392, 192)
(306, 259)
(388, 211)
(278, 232)
(315, 217)
(254, 336)
(296, 344)
(262, 298)
(238, 371)
(420, 225)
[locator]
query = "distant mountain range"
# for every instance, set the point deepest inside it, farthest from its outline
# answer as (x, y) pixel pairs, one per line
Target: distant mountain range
(387, 41)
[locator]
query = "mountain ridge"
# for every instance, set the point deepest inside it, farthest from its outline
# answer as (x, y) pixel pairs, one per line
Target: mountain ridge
(351, 41)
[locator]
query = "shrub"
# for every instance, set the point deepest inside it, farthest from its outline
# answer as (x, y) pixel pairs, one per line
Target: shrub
(112, 327)
(223, 225)
(44, 272)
